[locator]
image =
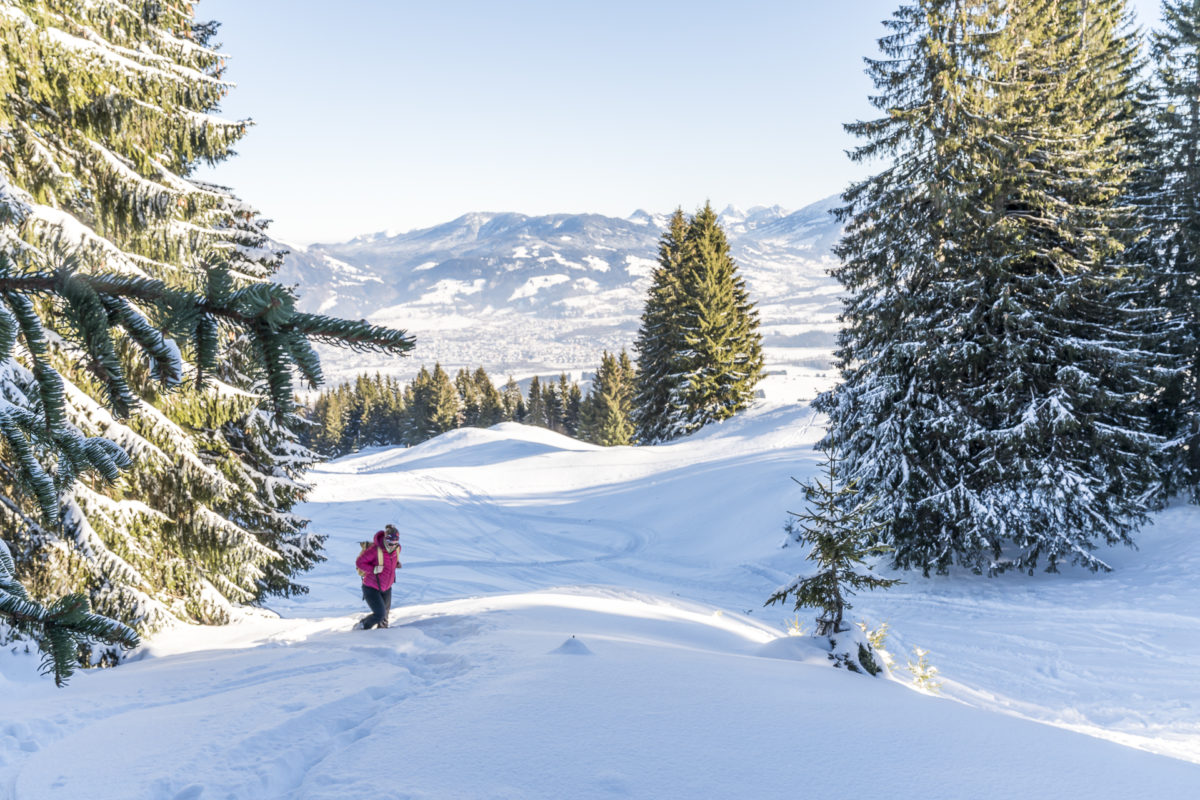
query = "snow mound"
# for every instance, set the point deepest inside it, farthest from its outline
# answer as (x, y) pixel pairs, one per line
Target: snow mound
(795, 648)
(572, 647)
(465, 447)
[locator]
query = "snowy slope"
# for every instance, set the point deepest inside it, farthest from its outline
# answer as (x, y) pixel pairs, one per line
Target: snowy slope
(578, 622)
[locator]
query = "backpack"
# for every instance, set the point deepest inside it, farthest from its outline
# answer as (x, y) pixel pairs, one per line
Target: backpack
(378, 556)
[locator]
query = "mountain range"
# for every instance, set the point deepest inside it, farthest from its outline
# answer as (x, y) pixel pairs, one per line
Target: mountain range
(538, 294)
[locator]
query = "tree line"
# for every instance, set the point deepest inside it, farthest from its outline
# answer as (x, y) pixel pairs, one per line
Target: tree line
(379, 410)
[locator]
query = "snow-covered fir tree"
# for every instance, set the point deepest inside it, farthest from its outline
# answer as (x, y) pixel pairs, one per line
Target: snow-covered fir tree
(1167, 192)
(991, 379)
(106, 108)
(835, 529)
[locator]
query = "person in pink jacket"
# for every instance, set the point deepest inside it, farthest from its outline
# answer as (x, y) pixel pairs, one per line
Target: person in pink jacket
(377, 565)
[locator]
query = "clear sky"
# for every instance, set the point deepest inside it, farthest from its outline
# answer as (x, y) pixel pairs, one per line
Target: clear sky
(390, 114)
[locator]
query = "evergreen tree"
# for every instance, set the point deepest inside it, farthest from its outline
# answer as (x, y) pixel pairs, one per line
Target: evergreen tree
(106, 108)
(836, 530)
(1168, 194)
(514, 403)
(330, 411)
(658, 339)
(552, 399)
(469, 398)
(445, 411)
(605, 415)
(571, 406)
(419, 400)
(990, 393)
(720, 361)
(535, 406)
(64, 627)
(491, 404)
(370, 411)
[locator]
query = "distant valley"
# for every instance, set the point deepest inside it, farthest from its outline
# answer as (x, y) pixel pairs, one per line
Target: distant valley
(526, 295)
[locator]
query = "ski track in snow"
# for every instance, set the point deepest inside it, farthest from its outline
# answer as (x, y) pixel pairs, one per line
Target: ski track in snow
(573, 621)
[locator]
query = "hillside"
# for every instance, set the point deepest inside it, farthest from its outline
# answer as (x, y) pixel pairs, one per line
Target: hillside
(581, 622)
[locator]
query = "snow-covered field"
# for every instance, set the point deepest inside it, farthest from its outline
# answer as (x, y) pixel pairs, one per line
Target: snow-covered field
(577, 622)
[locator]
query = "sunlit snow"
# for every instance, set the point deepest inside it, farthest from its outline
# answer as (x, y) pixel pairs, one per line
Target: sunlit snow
(585, 622)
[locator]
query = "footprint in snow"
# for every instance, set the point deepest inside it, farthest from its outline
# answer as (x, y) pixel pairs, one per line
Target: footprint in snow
(572, 647)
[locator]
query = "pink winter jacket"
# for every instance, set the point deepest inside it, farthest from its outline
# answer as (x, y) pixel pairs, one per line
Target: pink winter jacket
(368, 559)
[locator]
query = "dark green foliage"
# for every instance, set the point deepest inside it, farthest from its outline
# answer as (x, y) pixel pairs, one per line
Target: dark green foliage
(374, 411)
(699, 349)
(556, 409)
(145, 332)
(535, 405)
(62, 628)
(512, 401)
(836, 530)
(719, 360)
(1166, 191)
(444, 407)
(605, 417)
(994, 374)
(658, 338)
(572, 403)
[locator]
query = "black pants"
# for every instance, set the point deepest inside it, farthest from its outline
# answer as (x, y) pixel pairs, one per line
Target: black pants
(380, 603)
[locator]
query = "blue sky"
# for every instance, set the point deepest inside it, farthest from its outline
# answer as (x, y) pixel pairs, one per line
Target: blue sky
(389, 114)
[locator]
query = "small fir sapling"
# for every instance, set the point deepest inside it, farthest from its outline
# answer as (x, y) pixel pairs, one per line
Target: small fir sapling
(834, 528)
(924, 674)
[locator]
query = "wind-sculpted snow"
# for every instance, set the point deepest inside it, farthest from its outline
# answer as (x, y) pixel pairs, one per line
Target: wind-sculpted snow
(583, 622)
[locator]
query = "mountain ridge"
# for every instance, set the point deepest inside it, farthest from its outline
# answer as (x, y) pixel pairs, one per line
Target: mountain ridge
(523, 292)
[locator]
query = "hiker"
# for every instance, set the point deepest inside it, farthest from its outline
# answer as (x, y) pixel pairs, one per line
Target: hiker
(377, 564)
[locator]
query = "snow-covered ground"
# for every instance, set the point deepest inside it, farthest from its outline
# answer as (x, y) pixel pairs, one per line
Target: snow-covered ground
(578, 622)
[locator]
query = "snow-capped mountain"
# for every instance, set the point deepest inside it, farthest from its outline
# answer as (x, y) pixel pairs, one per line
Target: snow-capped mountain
(520, 293)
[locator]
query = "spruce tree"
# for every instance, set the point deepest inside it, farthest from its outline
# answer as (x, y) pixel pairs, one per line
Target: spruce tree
(514, 403)
(469, 398)
(445, 410)
(535, 406)
(571, 398)
(106, 108)
(658, 339)
(605, 415)
(1168, 194)
(991, 381)
(837, 532)
(491, 404)
(699, 349)
(419, 402)
(719, 360)
(553, 400)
